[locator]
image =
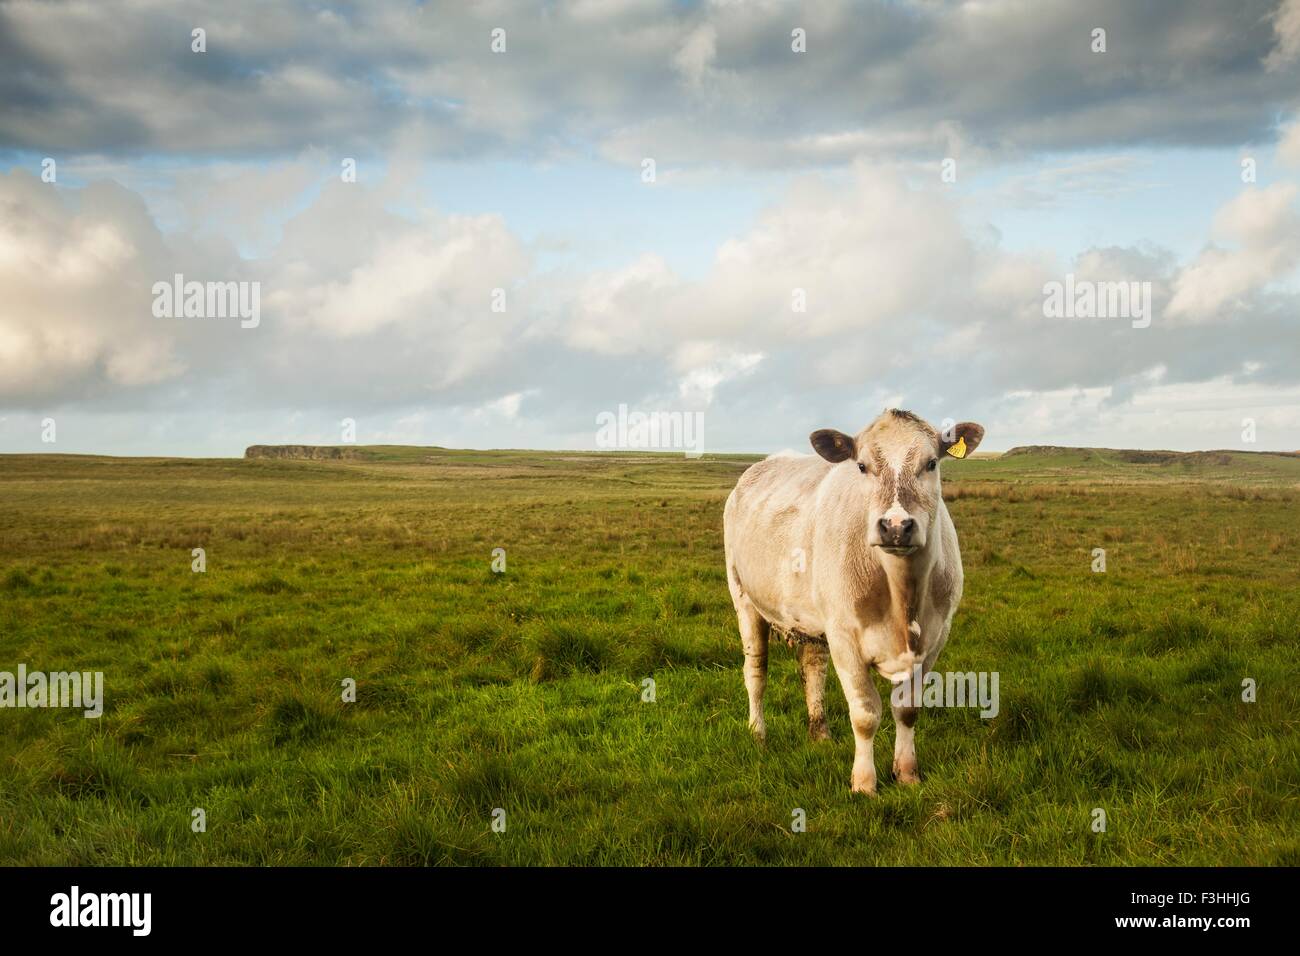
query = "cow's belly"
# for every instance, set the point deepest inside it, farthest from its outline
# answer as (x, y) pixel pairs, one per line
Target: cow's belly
(783, 598)
(773, 563)
(793, 617)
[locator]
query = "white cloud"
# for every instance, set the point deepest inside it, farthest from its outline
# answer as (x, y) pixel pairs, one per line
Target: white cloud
(1288, 148)
(144, 363)
(695, 57)
(387, 318)
(699, 384)
(507, 406)
(1265, 227)
(75, 315)
(435, 275)
(1178, 417)
(622, 311)
(1286, 27)
(1093, 176)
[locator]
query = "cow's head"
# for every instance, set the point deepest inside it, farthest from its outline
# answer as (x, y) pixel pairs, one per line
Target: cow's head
(898, 458)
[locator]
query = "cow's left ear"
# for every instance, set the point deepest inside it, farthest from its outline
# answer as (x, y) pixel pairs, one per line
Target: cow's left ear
(960, 440)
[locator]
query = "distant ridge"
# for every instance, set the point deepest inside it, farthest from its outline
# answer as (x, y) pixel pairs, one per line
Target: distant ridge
(1024, 462)
(1137, 456)
(1126, 465)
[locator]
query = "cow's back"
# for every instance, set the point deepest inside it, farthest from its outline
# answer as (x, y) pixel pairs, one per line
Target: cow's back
(769, 514)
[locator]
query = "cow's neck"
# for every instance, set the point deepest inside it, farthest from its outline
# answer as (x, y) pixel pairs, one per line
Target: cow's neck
(908, 581)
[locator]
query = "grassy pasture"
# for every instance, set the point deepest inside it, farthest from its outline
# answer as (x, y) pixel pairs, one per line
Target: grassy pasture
(522, 691)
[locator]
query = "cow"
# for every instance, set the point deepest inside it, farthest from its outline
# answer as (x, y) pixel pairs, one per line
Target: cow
(849, 554)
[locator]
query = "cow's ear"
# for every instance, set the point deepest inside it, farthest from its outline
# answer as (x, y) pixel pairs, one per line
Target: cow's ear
(960, 440)
(833, 445)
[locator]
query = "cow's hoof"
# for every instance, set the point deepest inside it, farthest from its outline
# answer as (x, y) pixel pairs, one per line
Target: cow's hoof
(863, 784)
(760, 733)
(907, 777)
(818, 730)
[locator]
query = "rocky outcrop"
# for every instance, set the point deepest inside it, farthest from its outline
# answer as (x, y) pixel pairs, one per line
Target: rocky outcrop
(305, 452)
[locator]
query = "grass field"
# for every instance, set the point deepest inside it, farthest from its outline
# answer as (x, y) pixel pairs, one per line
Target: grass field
(523, 690)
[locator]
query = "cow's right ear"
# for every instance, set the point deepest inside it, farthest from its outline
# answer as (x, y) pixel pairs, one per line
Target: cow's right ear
(833, 445)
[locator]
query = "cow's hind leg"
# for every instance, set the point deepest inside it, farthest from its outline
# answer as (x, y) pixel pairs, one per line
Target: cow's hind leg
(753, 635)
(813, 657)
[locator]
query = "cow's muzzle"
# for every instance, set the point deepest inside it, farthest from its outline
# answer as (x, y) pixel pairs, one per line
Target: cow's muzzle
(897, 536)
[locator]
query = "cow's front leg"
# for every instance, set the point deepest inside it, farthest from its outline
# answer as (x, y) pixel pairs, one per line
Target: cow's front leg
(906, 710)
(864, 707)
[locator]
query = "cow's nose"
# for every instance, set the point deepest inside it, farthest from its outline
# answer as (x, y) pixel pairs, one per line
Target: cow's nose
(897, 532)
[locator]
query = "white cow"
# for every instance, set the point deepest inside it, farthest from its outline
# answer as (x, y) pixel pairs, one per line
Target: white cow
(853, 554)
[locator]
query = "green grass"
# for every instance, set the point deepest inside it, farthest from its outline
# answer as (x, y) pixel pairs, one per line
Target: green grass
(523, 690)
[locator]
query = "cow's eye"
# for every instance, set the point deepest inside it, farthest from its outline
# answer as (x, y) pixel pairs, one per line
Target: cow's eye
(934, 463)
(862, 468)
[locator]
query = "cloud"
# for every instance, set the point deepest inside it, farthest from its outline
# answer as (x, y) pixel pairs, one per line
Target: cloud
(707, 84)
(1286, 26)
(832, 258)
(435, 275)
(627, 309)
(367, 311)
(1264, 225)
(75, 317)
(707, 369)
(907, 301)
(860, 282)
(1093, 176)
(1288, 149)
(351, 291)
(697, 54)
(506, 407)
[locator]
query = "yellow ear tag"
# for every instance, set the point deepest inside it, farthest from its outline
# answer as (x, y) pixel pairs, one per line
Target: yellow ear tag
(958, 450)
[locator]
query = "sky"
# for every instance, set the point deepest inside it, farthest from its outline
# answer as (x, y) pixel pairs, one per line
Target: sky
(777, 217)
